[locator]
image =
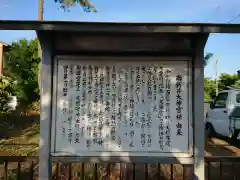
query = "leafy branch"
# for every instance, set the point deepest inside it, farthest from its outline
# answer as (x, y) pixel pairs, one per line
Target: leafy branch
(85, 4)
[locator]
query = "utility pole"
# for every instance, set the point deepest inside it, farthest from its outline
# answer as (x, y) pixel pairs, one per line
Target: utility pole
(40, 18)
(40, 10)
(216, 76)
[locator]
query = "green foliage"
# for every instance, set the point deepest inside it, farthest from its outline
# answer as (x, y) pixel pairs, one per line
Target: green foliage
(209, 89)
(237, 84)
(86, 5)
(6, 90)
(228, 80)
(207, 57)
(21, 64)
(224, 80)
(209, 85)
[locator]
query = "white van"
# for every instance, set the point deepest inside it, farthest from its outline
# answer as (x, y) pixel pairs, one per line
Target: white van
(223, 115)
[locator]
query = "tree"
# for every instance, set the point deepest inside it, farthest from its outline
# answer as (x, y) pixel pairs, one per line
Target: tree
(6, 90)
(232, 80)
(207, 57)
(21, 64)
(225, 80)
(237, 84)
(86, 4)
(209, 89)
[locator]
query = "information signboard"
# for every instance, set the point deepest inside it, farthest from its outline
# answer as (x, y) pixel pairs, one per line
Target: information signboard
(121, 107)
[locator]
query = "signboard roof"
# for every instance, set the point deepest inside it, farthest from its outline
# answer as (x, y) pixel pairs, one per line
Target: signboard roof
(177, 39)
(119, 27)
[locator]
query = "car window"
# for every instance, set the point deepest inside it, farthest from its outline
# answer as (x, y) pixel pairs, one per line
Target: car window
(238, 98)
(221, 100)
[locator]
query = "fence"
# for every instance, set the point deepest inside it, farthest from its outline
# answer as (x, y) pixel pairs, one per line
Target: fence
(20, 167)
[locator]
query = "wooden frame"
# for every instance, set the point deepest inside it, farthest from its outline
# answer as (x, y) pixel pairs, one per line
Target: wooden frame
(184, 158)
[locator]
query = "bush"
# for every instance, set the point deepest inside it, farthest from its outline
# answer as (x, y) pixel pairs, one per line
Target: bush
(6, 90)
(21, 64)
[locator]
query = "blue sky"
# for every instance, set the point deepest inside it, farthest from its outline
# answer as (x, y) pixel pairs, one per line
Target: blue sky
(224, 46)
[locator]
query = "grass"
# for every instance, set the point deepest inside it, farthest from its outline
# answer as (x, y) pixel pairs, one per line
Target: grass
(19, 138)
(24, 145)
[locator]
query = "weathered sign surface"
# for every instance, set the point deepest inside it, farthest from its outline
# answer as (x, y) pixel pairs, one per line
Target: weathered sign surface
(121, 107)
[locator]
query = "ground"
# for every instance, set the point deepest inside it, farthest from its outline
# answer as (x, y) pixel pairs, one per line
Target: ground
(20, 136)
(222, 147)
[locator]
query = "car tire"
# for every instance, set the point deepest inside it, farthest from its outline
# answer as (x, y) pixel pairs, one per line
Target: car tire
(210, 130)
(235, 135)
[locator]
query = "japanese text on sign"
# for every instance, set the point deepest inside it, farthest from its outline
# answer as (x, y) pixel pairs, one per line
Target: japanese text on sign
(122, 107)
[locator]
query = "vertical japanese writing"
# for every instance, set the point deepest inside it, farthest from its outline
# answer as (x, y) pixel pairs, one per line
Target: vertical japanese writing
(89, 95)
(143, 84)
(78, 77)
(77, 104)
(149, 101)
(101, 83)
(161, 109)
(137, 95)
(143, 100)
(137, 85)
(70, 117)
(64, 103)
(167, 106)
(149, 84)
(77, 123)
(125, 98)
(154, 84)
(179, 104)
(96, 106)
(149, 126)
(119, 103)
(65, 89)
(107, 85)
(71, 84)
(70, 106)
(67, 103)
(65, 80)
(131, 107)
(108, 102)
(89, 114)
(101, 113)
(70, 110)
(143, 135)
(83, 101)
(63, 131)
(113, 100)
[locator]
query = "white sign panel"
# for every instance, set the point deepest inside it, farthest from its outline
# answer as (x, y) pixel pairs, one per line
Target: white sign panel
(121, 107)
